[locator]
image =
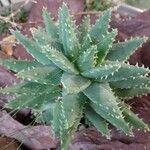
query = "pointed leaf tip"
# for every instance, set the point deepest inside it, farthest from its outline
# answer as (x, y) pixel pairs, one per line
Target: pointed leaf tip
(101, 26)
(51, 29)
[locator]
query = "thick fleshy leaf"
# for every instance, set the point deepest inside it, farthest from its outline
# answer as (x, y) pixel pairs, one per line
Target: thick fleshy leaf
(71, 105)
(57, 122)
(59, 59)
(105, 104)
(138, 82)
(51, 29)
(67, 33)
(122, 51)
(84, 28)
(31, 88)
(126, 71)
(44, 75)
(102, 71)
(74, 105)
(38, 102)
(41, 37)
(73, 84)
(104, 45)
(86, 44)
(101, 27)
(46, 117)
(15, 89)
(132, 118)
(87, 60)
(32, 48)
(97, 121)
(19, 65)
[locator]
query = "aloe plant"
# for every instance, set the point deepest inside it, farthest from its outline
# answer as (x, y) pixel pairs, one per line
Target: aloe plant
(78, 72)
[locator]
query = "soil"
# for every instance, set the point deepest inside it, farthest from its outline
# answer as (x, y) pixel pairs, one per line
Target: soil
(8, 144)
(85, 138)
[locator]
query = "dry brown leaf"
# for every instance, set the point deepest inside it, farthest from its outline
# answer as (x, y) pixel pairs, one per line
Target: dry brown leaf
(7, 44)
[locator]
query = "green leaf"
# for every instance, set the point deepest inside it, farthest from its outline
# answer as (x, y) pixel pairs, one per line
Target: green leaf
(87, 60)
(84, 36)
(71, 105)
(104, 45)
(67, 33)
(122, 51)
(31, 88)
(102, 71)
(84, 28)
(132, 118)
(15, 89)
(46, 117)
(126, 71)
(74, 83)
(101, 26)
(68, 106)
(44, 75)
(19, 65)
(32, 48)
(42, 38)
(51, 29)
(137, 82)
(86, 44)
(38, 102)
(57, 122)
(97, 121)
(59, 59)
(105, 104)
(130, 93)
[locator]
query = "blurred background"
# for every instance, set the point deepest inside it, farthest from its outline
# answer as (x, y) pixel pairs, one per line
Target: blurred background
(99, 4)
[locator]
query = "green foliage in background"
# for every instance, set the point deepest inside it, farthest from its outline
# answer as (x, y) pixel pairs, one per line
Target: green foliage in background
(20, 17)
(132, 2)
(78, 72)
(143, 4)
(4, 26)
(99, 5)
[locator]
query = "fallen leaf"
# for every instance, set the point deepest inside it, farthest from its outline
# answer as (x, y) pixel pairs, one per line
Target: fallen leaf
(7, 44)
